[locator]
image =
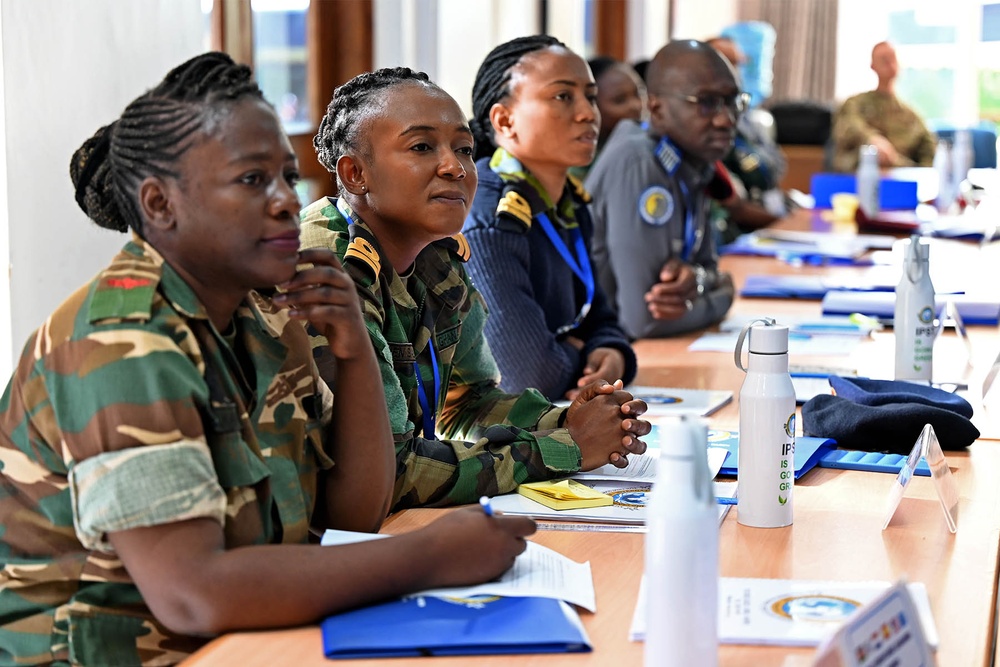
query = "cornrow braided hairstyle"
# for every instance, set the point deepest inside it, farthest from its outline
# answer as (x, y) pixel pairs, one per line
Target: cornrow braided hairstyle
(152, 133)
(352, 102)
(492, 84)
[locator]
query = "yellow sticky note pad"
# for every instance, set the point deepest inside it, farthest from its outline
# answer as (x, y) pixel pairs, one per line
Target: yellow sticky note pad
(565, 495)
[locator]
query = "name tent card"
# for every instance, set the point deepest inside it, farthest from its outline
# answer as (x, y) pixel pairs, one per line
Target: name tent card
(928, 447)
(886, 631)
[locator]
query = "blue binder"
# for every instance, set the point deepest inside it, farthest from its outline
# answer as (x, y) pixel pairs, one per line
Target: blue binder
(420, 626)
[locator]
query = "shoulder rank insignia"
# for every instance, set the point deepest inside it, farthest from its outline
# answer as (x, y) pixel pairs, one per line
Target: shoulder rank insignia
(363, 251)
(124, 291)
(516, 206)
(463, 250)
(578, 189)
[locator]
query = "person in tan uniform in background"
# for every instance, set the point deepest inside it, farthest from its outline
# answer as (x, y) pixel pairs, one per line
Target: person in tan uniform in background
(881, 119)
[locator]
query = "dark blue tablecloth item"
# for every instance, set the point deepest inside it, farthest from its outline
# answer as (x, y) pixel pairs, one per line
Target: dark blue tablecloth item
(887, 416)
(880, 392)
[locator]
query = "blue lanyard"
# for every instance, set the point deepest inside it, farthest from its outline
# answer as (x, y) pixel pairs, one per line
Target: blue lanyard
(690, 234)
(580, 265)
(669, 157)
(428, 401)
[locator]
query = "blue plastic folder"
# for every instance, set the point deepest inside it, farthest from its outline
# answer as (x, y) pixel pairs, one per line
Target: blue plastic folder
(893, 194)
(421, 626)
(808, 451)
(813, 452)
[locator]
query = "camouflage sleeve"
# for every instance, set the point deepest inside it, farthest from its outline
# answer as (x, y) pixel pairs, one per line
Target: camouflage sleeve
(850, 129)
(505, 453)
(923, 153)
(143, 486)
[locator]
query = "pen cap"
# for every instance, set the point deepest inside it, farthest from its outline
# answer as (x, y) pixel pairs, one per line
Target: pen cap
(768, 339)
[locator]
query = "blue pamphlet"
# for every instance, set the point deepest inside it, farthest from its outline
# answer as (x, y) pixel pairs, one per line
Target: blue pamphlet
(808, 451)
(422, 625)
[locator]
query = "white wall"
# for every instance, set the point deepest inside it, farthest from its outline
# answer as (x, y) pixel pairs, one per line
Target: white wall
(446, 39)
(702, 19)
(647, 28)
(69, 67)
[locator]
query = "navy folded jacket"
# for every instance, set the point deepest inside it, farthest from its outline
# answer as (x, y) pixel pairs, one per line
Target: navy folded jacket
(887, 416)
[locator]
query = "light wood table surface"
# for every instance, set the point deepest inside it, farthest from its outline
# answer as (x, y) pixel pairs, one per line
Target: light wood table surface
(837, 533)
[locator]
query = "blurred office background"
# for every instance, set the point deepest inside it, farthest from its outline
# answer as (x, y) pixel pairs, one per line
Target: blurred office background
(69, 66)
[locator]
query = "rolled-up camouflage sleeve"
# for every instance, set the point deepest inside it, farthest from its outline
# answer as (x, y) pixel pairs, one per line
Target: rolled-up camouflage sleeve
(517, 436)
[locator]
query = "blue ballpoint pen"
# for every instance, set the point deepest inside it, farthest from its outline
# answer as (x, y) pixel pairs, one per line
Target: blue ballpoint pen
(484, 502)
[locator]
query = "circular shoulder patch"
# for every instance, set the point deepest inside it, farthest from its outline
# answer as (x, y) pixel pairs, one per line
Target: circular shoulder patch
(656, 205)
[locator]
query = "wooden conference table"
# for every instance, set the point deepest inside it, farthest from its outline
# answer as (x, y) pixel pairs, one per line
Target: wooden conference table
(837, 533)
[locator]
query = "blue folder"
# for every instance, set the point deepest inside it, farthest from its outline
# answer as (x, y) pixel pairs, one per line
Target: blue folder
(808, 451)
(420, 626)
(813, 452)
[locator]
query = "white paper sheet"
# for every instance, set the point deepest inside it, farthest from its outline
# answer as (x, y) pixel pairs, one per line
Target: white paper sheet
(538, 572)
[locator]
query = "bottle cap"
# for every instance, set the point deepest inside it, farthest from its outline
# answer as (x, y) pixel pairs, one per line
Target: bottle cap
(769, 339)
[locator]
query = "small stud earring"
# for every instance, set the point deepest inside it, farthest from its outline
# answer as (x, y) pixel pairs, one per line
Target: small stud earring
(364, 188)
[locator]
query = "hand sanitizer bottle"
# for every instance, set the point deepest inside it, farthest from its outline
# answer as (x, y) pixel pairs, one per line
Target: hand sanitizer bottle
(913, 318)
(682, 552)
(766, 473)
(868, 179)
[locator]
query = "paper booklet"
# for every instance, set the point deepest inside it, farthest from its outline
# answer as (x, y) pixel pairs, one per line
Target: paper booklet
(537, 572)
(629, 508)
(673, 402)
(789, 612)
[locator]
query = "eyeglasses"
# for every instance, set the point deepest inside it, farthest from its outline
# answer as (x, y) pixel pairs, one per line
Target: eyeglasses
(710, 105)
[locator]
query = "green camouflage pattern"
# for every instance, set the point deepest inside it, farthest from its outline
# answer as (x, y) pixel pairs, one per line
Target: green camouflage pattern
(130, 364)
(515, 437)
(863, 115)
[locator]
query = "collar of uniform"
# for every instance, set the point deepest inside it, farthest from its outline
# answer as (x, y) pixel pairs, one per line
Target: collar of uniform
(432, 267)
(510, 170)
(173, 287)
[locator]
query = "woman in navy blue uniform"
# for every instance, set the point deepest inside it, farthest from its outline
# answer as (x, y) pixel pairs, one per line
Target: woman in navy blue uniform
(535, 117)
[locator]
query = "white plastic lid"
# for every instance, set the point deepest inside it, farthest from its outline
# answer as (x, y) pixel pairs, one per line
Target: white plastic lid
(766, 339)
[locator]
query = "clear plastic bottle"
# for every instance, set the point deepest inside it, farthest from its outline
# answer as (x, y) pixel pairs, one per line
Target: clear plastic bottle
(766, 473)
(962, 158)
(682, 552)
(946, 185)
(913, 318)
(868, 178)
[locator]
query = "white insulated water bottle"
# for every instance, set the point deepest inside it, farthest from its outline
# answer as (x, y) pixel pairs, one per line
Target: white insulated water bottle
(868, 179)
(913, 318)
(766, 470)
(682, 552)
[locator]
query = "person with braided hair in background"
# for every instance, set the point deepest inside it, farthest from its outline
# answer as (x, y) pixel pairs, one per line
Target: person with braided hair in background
(166, 441)
(535, 116)
(402, 154)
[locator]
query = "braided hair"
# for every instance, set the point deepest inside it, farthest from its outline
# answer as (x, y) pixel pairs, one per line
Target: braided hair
(492, 84)
(151, 135)
(352, 102)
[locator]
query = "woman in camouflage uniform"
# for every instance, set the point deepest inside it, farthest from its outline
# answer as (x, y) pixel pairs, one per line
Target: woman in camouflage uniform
(166, 441)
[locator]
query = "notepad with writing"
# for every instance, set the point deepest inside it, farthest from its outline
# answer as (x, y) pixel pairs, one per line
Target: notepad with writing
(419, 626)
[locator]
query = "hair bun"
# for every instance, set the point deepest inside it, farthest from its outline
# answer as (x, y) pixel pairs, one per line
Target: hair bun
(91, 175)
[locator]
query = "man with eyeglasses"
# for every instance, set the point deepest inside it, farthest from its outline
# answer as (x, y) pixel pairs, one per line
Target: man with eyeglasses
(652, 188)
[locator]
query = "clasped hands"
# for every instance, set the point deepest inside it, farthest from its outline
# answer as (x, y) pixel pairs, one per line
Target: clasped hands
(674, 295)
(604, 422)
